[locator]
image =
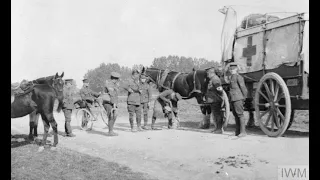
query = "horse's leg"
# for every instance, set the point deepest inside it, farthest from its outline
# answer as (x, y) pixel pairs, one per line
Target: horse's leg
(32, 118)
(35, 127)
(46, 127)
(54, 126)
(205, 123)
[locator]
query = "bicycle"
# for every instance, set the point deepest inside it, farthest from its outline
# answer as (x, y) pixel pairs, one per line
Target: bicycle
(86, 116)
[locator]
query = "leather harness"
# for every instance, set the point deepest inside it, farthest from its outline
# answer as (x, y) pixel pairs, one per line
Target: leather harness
(161, 79)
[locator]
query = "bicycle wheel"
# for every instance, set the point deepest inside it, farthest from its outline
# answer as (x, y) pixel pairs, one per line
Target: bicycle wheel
(104, 116)
(84, 119)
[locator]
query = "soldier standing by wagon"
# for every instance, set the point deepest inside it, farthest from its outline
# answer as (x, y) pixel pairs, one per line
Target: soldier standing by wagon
(214, 97)
(145, 99)
(68, 106)
(134, 100)
(112, 89)
(238, 93)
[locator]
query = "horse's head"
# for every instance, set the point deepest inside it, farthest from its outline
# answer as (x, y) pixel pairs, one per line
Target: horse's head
(152, 74)
(58, 83)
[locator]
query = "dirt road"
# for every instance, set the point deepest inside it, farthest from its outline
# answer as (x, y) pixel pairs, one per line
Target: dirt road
(185, 154)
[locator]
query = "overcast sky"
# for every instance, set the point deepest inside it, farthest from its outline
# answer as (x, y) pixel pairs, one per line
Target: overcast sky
(49, 36)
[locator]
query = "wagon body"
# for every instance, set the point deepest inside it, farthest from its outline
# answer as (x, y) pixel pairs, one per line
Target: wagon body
(273, 58)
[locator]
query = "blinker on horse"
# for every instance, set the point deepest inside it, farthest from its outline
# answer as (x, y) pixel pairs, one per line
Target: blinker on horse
(43, 95)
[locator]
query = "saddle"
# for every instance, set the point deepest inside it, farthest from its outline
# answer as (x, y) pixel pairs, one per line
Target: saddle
(22, 88)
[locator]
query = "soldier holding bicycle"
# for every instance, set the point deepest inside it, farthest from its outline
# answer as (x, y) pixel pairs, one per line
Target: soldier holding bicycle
(112, 89)
(87, 94)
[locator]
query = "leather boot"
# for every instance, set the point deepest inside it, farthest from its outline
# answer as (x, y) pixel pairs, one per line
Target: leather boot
(111, 124)
(242, 127)
(132, 126)
(139, 125)
(251, 123)
(219, 129)
(153, 124)
(145, 118)
(205, 123)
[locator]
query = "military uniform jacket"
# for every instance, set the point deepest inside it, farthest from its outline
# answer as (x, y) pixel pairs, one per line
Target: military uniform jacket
(113, 90)
(238, 90)
(87, 93)
(68, 95)
(213, 95)
(133, 97)
(145, 92)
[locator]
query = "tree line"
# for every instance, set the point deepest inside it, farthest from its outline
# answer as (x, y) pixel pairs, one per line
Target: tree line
(98, 76)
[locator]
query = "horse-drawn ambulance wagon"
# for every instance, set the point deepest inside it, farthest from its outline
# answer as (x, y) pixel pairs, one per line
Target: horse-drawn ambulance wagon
(273, 55)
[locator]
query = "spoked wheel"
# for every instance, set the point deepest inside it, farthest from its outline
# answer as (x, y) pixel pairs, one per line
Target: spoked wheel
(84, 118)
(291, 117)
(273, 99)
(104, 117)
(226, 112)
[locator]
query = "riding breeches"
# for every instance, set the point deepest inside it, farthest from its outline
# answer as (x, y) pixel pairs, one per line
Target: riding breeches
(134, 109)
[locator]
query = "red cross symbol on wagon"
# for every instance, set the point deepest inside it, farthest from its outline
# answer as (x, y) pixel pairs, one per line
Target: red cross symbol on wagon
(249, 51)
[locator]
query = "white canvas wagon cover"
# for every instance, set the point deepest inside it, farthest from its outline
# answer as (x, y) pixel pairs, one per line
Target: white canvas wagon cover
(282, 46)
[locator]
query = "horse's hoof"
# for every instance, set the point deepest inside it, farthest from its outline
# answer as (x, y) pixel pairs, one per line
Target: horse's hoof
(41, 148)
(53, 148)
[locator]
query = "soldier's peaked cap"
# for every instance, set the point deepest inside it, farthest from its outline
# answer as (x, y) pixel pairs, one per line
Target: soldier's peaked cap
(115, 75)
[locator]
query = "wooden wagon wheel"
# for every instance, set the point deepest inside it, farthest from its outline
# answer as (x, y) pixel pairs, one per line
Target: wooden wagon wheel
(226, 112)
(272, 95)
(282, 110)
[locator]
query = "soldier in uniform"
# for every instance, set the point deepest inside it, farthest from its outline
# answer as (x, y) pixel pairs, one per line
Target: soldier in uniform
(238, 93)
(145, 99)
(86, 93)
(164, 99)
(68, 93)
(214, 97)
(134, 100)
(112, 89)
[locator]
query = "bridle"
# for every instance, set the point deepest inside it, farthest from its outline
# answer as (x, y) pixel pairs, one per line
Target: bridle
(54, 82)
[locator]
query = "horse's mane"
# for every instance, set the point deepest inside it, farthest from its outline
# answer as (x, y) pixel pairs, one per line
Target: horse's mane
(45, 78)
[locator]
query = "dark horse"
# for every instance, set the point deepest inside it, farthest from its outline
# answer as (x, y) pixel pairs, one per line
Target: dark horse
(34, 117)
(188, 85)
(40, 99)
